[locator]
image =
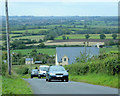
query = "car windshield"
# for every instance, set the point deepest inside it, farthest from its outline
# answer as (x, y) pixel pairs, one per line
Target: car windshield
(43, 68)
(57, 68)
(35, 70)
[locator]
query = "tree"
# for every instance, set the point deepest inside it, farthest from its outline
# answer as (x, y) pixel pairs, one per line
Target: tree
(87, 36)
(40, 40)
(114, 36)
(102, 36)
(63, 37)
(42, 45)
(84, 56)
(85, 26)
(24, 27)
(34, 50)
(67, 38)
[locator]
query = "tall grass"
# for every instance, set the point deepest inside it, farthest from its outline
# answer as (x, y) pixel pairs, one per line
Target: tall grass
(0, 85)
(97, 79)
(15, 85)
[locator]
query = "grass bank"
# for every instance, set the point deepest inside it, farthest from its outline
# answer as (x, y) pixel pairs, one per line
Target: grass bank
(15, 85)
(82, 36)
(97, 79)
(0, 85)
(102, 70)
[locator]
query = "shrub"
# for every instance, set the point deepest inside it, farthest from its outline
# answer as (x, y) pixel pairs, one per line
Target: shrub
(4, 68)
(22, 70)
(106, 64)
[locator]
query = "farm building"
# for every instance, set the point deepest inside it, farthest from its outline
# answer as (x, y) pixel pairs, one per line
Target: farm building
(67, 55)
(29, 61)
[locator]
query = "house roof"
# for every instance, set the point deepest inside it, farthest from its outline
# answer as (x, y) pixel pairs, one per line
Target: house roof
(73, 52)
(29, 59)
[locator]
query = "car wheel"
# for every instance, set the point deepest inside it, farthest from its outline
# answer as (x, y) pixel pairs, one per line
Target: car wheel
(39, 77)
(66, 80)
(49, 80)
(62, 80)
(46, 79)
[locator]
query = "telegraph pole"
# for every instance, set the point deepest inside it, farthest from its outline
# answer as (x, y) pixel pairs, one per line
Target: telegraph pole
(8, 38)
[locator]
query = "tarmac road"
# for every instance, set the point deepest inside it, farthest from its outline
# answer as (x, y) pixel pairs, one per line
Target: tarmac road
(40, 86)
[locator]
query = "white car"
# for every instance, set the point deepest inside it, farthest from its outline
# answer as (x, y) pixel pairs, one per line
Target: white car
(42, 71)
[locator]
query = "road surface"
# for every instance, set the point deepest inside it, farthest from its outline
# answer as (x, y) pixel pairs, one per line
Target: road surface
(40, 86)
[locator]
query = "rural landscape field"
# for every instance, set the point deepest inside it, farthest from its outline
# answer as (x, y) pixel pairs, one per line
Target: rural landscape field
(35, 40)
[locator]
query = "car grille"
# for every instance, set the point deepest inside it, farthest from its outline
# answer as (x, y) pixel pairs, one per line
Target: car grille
(59, 74)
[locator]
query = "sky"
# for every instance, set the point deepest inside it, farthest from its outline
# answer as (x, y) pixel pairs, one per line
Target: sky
(62, 8)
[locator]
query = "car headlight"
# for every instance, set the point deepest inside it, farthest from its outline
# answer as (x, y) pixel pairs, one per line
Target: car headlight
(66, 73)
(52, 73)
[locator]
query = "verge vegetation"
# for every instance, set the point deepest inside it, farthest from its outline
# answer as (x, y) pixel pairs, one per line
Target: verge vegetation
(103, 70)
(14, 84)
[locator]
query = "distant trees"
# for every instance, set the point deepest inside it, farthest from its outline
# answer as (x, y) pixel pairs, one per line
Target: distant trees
(24, 27)
(85, 26)
(41, 45)
(114, 36)
(87, 36)
(63, 37)
(67, 38)
(102, 36)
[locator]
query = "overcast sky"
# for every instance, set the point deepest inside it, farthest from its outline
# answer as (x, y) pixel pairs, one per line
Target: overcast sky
(62, 8)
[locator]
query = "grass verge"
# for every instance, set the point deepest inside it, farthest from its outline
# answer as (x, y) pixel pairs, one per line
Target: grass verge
(97, 79)
(15, 85)
(0, 85)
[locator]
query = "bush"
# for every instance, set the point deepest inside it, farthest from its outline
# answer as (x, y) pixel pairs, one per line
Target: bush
(22, 70)
(4, 68)
(108, 65)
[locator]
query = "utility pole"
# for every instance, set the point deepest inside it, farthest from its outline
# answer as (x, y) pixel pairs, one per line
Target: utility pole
(8, 38)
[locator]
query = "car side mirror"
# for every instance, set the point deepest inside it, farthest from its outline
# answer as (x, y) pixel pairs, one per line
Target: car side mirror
(67, 70)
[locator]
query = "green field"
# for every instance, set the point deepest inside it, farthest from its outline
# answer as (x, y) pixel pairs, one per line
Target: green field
(107, 50)
(52, 51)
(30, 30)
(82, 36)
(37, 37)
(14, 35)
(49, 51)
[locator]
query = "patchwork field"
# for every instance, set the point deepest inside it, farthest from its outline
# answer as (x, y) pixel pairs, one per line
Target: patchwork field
(52, 51)
(14, 35)
(49, 51)
(72, 43)
(29, 30)
(37, 37)
(82, 36)
(107, 50)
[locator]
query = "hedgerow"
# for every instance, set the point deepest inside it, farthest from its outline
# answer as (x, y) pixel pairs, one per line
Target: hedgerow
(106, 64)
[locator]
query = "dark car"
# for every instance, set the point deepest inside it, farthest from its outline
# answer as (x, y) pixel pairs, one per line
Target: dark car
(56, 73)
(34, 73)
